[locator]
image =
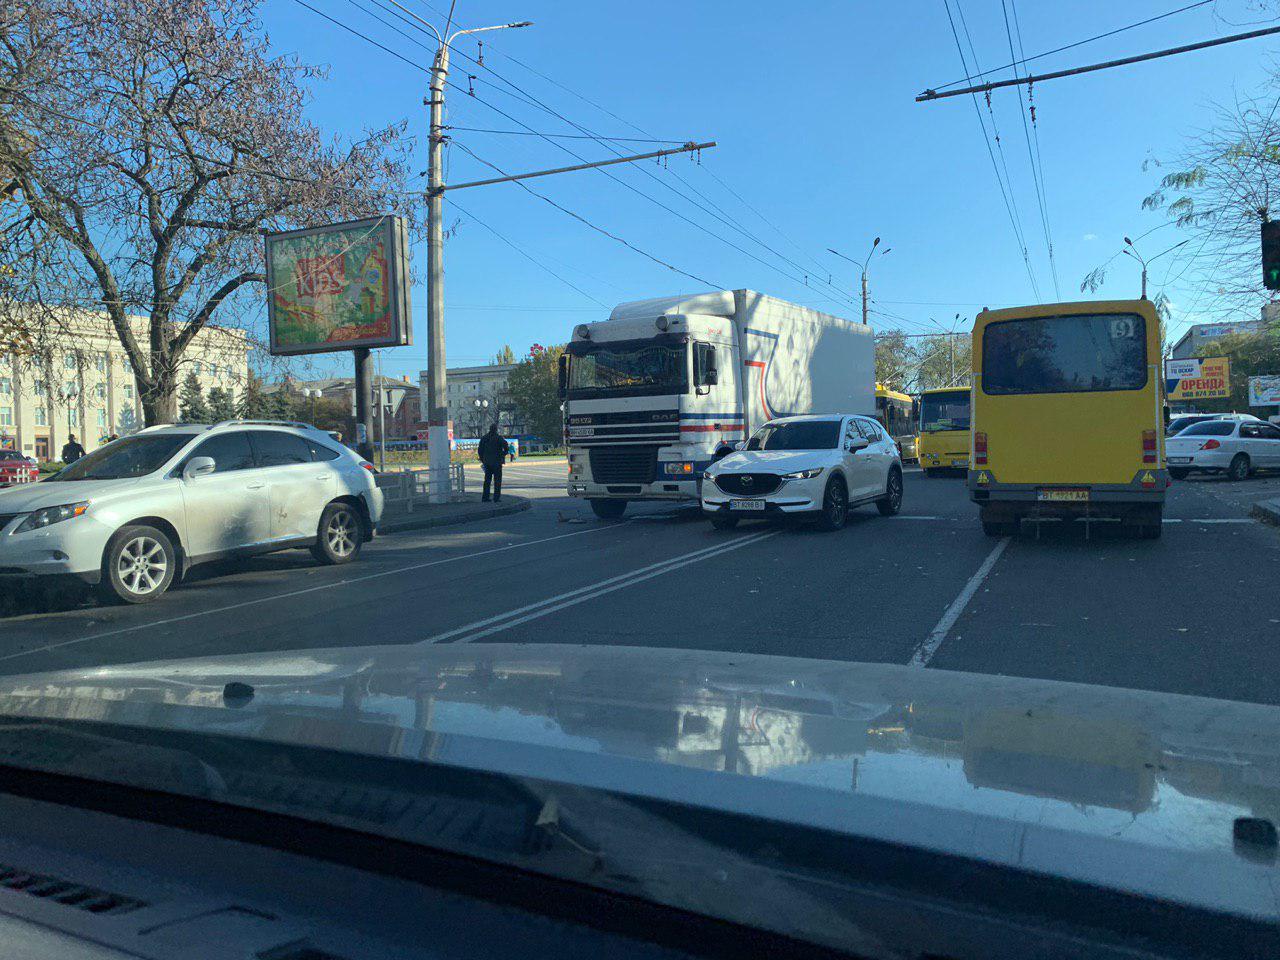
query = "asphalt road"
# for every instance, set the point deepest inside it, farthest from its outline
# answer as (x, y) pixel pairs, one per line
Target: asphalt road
(1195, 612)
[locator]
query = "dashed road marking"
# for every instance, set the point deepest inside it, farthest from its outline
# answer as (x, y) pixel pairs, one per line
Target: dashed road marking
(924, 653)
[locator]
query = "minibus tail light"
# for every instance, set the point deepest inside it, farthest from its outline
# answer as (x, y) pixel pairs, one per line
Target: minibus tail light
(1148, 446)
(980, 449)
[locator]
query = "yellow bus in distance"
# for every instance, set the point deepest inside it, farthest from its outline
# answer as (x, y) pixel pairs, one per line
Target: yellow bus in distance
(894, 411)
(1067, 404)
(944, 430)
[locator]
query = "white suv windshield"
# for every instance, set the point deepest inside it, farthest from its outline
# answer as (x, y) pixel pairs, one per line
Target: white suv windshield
(797, 435)
(130, 457)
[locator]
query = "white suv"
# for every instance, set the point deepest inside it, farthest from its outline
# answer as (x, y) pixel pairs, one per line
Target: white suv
(135, 514)
(817, 466)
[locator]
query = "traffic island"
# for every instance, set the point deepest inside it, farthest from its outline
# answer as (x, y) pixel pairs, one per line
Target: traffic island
(465, 509)
(1268, 511)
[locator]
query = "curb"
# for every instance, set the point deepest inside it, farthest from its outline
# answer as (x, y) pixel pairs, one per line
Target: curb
(411, 522)
(1268, 511)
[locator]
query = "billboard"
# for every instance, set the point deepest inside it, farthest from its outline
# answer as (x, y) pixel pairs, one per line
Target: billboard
(339, 287)
(1264, 391)
(1197, 378)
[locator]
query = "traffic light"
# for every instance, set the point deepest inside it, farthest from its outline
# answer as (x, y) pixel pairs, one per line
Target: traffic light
(1271, 254)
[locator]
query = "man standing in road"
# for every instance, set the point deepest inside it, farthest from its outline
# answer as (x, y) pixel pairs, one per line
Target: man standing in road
(71, 450)
(492, 451)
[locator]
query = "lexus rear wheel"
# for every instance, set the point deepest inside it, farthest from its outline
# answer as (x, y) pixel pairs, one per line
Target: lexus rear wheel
(340, 534)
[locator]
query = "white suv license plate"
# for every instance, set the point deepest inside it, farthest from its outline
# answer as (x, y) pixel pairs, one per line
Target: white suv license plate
(746, 504)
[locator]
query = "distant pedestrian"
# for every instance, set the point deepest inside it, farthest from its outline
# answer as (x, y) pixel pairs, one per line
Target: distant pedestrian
(493, 451)
(71, 450)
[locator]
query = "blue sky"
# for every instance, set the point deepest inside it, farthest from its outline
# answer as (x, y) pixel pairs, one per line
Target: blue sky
(812, 106)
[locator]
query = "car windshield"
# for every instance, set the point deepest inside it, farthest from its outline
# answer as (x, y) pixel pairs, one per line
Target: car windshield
(797, 435)
(944, 411)
(1210, 428)
(668, 448)
(130, 457)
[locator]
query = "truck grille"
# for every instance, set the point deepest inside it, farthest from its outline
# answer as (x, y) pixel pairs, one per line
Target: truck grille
(748, 484)
(624, 464)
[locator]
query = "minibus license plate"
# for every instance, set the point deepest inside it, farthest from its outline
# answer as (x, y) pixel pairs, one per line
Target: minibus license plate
(746, 505)
(1071, 495)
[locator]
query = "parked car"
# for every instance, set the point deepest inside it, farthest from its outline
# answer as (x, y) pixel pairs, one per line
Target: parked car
(1235, 447)
(815, 466)
(132, 517)
(15, 468)
(1181, 422)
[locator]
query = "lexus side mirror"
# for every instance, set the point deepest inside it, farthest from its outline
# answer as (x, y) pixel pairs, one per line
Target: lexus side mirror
(739, 444)
(563, 372)
(198, 467)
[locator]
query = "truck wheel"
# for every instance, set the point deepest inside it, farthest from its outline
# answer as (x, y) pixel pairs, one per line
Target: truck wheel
(1179, 473)
(608, 509)
(891, 502)
(1239, 469)
(723, 521)
(835, 505)
(138, 565)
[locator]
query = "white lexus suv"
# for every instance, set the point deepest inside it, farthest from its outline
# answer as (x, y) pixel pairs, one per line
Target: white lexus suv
(135, 514)
(815, 466)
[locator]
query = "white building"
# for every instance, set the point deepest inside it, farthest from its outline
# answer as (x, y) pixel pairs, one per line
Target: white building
(84, 384)
(478, 397)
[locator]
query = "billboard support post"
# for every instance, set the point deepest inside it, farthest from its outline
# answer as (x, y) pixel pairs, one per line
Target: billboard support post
(364, 402)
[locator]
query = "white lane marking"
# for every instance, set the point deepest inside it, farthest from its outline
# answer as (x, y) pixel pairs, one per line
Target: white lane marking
(924, 653)
(903, 516)
(1208, 520)
(540, 608)
(298, 593)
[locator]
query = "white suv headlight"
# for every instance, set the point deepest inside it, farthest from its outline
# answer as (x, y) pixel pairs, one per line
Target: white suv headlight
(803, 474)
(42, 518)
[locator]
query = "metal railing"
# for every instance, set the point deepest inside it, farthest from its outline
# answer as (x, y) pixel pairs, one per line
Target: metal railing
(410, 486)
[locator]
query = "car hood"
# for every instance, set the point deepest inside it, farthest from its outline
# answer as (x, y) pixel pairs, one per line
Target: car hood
(775, 461)
(1133, 790)
(51, 493)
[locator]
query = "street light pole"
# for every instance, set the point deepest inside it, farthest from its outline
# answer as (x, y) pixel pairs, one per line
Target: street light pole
(865, 265)
(1132, 251)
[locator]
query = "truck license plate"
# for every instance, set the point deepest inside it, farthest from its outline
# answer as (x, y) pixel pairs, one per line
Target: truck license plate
(746, 504)
(1070, 495)
(582, 431)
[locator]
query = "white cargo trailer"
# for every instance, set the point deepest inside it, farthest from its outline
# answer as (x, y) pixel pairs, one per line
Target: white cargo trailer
(651, 392)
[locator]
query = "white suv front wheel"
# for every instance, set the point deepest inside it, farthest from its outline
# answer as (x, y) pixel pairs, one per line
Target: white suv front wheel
(138, 566)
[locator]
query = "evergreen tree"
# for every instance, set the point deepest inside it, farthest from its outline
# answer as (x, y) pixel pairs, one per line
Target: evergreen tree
(194, 409)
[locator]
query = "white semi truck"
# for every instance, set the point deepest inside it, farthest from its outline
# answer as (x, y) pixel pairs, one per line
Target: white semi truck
(652, 392)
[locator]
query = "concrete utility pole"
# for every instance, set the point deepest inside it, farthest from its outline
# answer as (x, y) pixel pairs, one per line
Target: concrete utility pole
(865, 265)
(437, 405)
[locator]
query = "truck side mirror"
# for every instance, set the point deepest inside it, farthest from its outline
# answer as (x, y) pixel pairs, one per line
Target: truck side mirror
(562, 388)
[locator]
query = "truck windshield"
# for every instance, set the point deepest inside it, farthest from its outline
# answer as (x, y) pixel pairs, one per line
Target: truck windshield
(944, 411)
(628, 368)
(1067, 354)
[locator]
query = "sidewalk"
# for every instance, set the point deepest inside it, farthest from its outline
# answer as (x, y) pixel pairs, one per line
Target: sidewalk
(467, 510)
(1268, 511)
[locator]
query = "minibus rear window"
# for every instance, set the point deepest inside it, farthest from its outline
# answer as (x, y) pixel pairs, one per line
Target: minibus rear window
(1065, 354)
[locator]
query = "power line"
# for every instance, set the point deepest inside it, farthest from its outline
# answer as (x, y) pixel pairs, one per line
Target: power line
(986, 139)
(524, 253)
(563, 136)
(1037, 171)
(528, 98)
(1070, 46)
(583, 220)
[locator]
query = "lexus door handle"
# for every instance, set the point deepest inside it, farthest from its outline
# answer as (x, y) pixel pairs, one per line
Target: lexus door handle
(255, 486)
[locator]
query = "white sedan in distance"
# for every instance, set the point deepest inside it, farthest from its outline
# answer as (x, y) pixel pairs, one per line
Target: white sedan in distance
(1234, 447)
(814, 466)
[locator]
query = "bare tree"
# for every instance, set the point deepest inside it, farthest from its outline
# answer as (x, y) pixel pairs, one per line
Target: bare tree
(145, 146)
